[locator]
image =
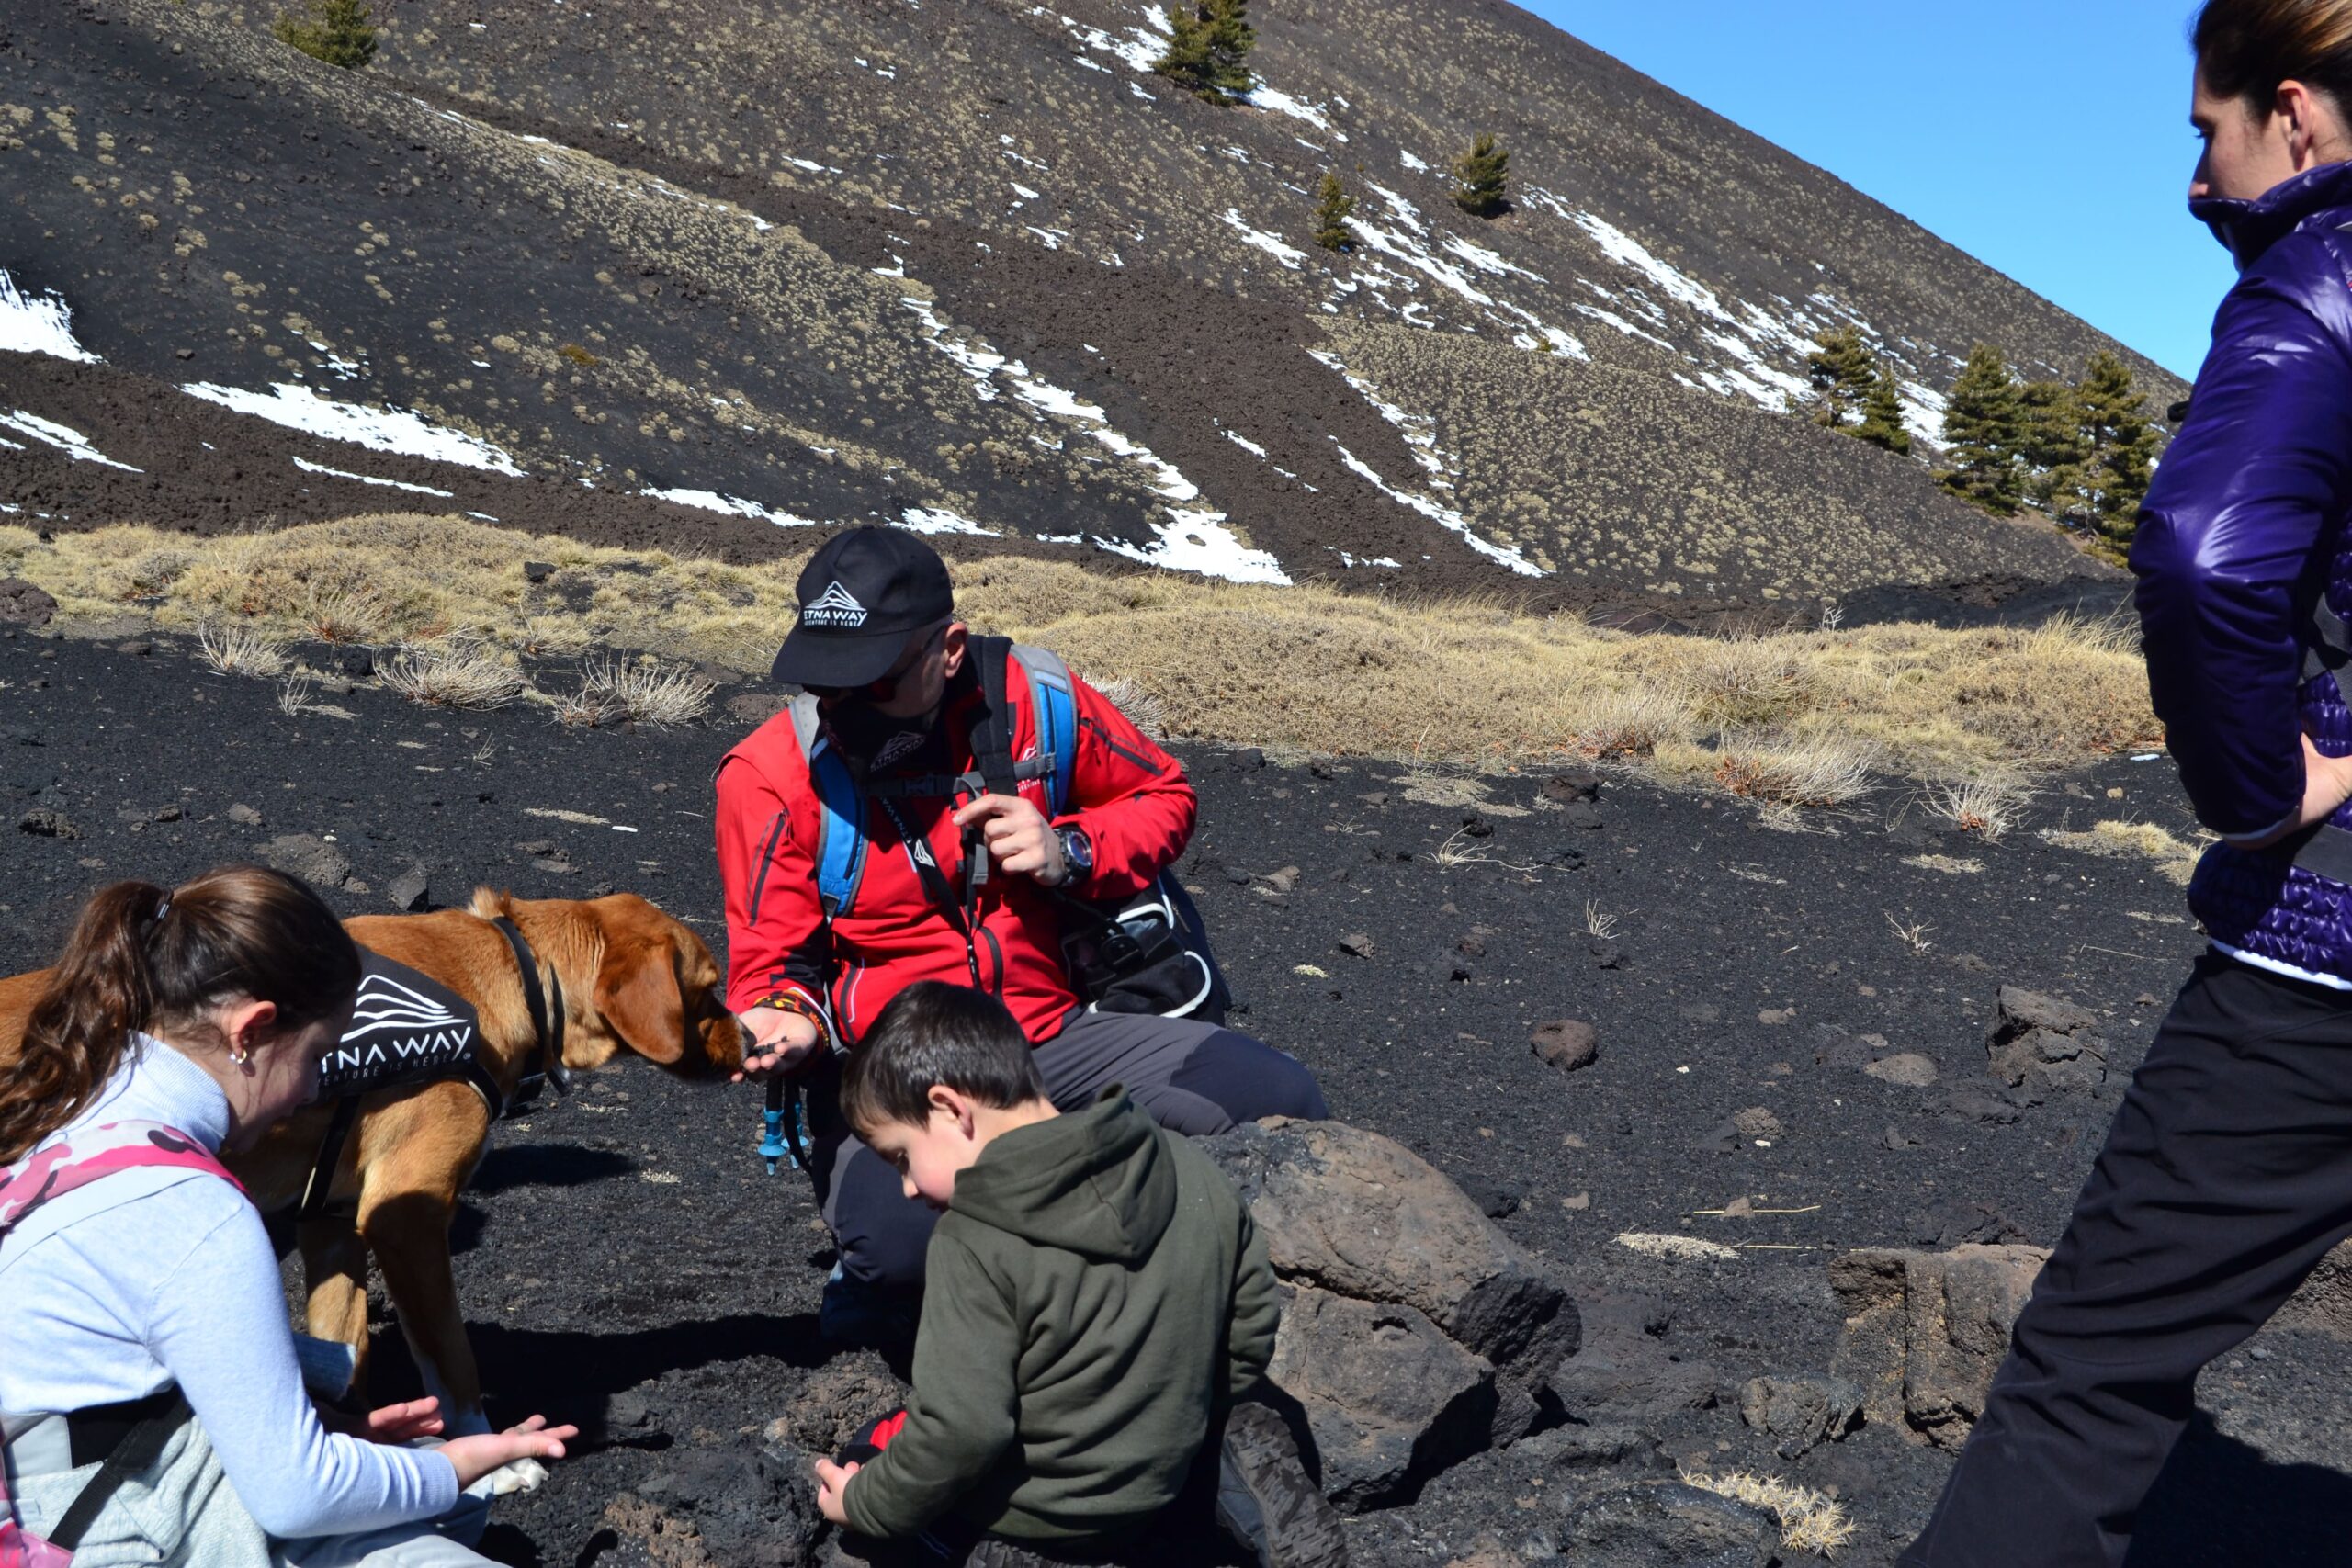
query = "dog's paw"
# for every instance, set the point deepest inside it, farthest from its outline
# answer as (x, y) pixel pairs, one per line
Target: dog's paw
(520, 1475)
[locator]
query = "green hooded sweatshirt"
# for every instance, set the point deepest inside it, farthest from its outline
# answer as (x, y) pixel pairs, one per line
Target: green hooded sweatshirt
(1094, 1293)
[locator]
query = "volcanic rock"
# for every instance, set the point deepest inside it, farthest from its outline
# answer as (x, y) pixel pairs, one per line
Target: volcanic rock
(244, 816)
(1907, 1069)
(1663, 1524)
(1801, 1411)
(1925, 1331)
(1356, 942)
(24, 604)
(2046, 1044)
(1389, 1399)
(1355, 1213)
(412, 890)
(309, 857)
(1567, 1043)
(44, 823)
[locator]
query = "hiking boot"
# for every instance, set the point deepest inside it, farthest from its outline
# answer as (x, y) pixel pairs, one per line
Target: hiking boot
(1267, 1502)
(859, 1315)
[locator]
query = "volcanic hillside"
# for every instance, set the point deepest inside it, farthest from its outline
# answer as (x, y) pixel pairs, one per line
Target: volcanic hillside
(684, 271)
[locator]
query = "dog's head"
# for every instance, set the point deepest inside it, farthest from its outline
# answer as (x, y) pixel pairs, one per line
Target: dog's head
(649, 984)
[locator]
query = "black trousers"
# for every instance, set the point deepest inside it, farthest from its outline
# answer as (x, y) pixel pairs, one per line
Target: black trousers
(1196, 1078)
(2226, 1176)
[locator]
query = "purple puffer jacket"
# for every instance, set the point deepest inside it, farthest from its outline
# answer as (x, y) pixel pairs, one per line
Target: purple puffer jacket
(2245, 522)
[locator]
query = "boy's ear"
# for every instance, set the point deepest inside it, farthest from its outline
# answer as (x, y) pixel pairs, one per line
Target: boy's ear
(955, 1107)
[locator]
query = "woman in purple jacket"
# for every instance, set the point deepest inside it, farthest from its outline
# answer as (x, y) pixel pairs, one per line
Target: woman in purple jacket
(2228, 1171)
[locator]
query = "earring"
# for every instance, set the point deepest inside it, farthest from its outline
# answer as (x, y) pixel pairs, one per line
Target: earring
(239, 1058)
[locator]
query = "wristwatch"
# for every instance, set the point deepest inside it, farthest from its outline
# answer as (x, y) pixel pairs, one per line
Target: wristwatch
(1078, 854)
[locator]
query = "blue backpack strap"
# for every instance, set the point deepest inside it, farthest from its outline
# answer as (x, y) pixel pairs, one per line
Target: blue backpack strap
(840, 828)
(1056, 705)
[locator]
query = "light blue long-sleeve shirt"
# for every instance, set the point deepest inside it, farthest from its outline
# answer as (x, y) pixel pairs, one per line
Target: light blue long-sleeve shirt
(155, 1276)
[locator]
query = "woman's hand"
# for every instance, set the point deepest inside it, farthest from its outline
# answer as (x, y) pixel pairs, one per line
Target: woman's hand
(832, 1480)
(393, 1424)
(2328, 784)
(476, 1457)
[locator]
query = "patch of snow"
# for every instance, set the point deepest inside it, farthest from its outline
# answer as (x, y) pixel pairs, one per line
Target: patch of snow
(1768, 385)
(1627, 251)
(1923, 411)
(1413, 253)
(1053, 399)
(938, 520)
(1412, 162)
(380, 430)
(730, 506)
(1052, 237)
(1200, 542)
(64, 437)
(38, 324)
(1564, 343)
(1399, 209)
(1138, 49)
(1262, 96)
(812, 168)
(1245, 443)
(1445, 516)
(1023, 191)
(311, 468)
(1289, 255)
(483, 516)
(1348, 560)
(1486, 260)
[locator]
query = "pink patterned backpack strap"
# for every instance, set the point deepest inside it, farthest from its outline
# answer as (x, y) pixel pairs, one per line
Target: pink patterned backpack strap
(51, 1173)
(92, 1156)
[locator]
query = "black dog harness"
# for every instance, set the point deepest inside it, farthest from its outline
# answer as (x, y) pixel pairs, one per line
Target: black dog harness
(408, 1028)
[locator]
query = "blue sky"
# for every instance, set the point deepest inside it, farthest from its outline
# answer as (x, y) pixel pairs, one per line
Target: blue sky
(2049, 138)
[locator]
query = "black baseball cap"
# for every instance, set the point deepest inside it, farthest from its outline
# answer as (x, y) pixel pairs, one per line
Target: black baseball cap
(863, 594)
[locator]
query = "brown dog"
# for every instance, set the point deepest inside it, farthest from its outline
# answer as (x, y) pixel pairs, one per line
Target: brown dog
(629, 976)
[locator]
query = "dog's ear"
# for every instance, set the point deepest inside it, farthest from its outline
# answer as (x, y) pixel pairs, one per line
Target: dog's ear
(636, 993)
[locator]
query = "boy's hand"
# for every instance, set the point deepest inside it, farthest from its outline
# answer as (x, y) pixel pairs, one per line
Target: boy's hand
(832, 1480)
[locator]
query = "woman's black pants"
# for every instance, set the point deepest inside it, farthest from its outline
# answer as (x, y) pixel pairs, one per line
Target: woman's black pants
(2226, 1176)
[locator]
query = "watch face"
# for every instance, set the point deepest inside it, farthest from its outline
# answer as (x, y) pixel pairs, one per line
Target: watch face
(1077, 849)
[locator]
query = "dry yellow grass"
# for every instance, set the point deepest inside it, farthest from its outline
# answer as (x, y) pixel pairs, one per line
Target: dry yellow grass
(1810, 1521)
(2177, 858)
(1300, 668)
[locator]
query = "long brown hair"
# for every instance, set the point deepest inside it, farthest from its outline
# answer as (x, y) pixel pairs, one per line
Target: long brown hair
(143, 957)
(2246, 47)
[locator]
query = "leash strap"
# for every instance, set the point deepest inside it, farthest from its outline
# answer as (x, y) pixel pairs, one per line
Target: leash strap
(935, 882)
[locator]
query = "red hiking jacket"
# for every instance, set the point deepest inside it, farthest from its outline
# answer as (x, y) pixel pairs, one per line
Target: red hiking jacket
(1130, 797)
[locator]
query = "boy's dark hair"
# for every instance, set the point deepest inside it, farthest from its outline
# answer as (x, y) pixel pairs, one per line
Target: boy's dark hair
(936, 1033)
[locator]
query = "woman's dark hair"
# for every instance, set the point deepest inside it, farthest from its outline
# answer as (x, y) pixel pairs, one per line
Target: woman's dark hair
(2246, 47)
(144, 958)
(936, 1033)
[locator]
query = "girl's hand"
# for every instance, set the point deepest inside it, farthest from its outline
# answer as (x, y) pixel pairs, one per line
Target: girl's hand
(393, 1424)
(476, 1457)
(832, 1480)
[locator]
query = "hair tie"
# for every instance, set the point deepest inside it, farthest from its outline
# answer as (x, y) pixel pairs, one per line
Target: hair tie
(162, 908)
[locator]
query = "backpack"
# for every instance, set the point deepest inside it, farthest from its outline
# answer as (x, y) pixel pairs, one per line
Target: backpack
(1146, 954)
(42, 1177)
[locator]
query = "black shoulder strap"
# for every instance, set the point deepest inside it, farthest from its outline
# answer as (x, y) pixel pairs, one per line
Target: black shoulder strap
(992, 729)
(137, 1451)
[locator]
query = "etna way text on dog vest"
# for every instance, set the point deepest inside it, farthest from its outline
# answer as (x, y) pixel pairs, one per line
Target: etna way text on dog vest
(406, 1027)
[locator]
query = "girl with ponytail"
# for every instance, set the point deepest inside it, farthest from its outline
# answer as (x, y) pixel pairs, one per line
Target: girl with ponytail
(144, 1312)
(2227, 1173)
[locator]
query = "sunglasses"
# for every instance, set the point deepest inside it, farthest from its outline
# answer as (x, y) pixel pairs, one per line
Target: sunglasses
(883, 688)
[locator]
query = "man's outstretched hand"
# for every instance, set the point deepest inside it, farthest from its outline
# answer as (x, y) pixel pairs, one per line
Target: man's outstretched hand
(778, 1041)
(1019, 838)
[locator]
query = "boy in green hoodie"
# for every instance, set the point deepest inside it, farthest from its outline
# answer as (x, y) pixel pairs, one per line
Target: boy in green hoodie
(1096, 1301)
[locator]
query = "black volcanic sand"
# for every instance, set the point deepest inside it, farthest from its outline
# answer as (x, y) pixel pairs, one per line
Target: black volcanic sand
(625, 1261)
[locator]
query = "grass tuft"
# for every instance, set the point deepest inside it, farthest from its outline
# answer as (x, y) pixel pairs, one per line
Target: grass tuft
(1988, 804)
(241, 649)
(1810, 1521)
(612, 691)
(2177, 858)
(452, 675)
(1824, 771)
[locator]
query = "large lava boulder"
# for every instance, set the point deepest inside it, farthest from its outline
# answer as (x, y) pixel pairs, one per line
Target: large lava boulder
(1926, 1331)
(1416, 1331)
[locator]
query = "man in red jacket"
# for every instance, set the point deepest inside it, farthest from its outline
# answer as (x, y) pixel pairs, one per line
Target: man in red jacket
(879, 645)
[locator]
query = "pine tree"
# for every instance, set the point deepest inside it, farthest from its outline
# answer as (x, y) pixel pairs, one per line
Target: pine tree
(1984, 430)
(1332, 206)
(1882, 424)
(1208, 43)
(1844, 370)
(336, 31)
(2055, 454)
(1481, 174)
(2123, 445)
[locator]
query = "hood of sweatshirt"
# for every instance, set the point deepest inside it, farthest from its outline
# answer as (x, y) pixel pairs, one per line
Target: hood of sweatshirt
(1096, 1182)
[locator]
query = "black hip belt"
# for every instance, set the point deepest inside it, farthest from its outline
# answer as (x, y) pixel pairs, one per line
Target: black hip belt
(94, 1433)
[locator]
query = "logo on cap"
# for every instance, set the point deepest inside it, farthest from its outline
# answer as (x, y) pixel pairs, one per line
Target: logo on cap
(835, 608)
